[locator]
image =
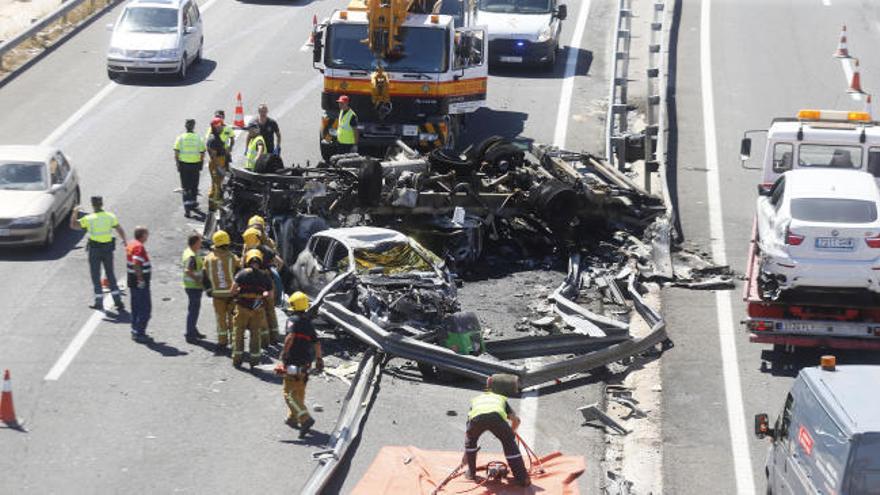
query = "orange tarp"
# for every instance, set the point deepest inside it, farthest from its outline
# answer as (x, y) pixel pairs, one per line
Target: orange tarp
(411, 471)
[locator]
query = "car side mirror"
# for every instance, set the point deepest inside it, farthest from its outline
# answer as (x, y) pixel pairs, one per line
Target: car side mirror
(745, 149)
(54, 188)
(764, 190)
(190, 30)
(762, 426)
(561, 12)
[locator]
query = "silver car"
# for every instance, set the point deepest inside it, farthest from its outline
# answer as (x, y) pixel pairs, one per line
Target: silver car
(38, 189)
(156, 37)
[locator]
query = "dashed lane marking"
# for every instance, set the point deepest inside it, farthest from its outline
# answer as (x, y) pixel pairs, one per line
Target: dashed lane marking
(742, 462)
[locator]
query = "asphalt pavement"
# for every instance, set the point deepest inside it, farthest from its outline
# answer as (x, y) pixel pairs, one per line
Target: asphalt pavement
(768, 59)
(170, 416)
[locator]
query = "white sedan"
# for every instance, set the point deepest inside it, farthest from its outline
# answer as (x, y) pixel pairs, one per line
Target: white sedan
(820, 229)
(38, 189)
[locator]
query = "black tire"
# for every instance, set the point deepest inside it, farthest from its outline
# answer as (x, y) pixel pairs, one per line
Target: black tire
(113, 76)
(370, 183)
(481, 149)
(50, 234)
(199, 54)
(510, 152)
(550, 64)
(181, 73)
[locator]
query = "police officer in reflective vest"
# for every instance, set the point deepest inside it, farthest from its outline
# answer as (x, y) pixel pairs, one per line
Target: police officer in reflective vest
(346, 127)
(490, 412)
(301, 347)
(189, 153)
(100, 226)
(220, 268)
(256, 146)
(193, 264)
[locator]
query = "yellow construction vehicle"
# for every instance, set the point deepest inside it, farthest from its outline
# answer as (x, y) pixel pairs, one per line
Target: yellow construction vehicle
(412, 70)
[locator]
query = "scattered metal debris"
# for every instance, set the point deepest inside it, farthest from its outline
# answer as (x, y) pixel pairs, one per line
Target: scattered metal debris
(593, 413)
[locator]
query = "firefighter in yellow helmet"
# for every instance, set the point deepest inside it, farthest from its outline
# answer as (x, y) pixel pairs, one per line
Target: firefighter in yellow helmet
(220, 267)
(259, 223)
(251, 286)
(301, 347)
(253, 240)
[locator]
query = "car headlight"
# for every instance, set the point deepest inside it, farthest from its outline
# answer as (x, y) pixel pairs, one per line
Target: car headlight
(425, 136)
(115, 51)
(30, 222)
(545, 34)
(171, 53)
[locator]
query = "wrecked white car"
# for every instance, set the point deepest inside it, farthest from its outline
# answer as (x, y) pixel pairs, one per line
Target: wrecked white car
(819, 229)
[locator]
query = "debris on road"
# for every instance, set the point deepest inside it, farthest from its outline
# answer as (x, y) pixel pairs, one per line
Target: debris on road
(593, 413)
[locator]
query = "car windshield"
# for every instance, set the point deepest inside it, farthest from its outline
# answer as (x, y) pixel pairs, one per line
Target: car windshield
(149, 20)
(516, 6)
(392, 258)
(421, 49)
(27, 176)
(833, 210)
(824, 155)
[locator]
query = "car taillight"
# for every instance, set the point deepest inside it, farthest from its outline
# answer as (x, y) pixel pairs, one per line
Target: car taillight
(760, 326)
(873, 242)
(793, 239)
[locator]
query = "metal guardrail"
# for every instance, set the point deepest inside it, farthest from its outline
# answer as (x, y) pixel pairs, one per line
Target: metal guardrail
(59, 14)
(615, 121)
(351, 416)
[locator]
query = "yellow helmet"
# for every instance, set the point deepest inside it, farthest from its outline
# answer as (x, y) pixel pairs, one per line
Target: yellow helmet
(251, 237)
(257, 220)
(251, 254)
(220, 238)
(298, 301)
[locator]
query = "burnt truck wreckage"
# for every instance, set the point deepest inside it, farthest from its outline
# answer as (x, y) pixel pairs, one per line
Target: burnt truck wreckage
(535, 200)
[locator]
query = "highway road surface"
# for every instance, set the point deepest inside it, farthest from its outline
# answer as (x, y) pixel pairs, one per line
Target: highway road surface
(740, 64)
(106, 414)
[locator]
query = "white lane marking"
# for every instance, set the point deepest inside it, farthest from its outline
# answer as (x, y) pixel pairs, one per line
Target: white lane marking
(563, 113)
(75, 345)
(92, 103)
(742, 463)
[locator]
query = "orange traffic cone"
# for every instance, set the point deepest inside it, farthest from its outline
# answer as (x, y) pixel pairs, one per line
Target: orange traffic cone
(239, 112)
(311, 41)
(7, 410)
(855, 85)
(842, 51)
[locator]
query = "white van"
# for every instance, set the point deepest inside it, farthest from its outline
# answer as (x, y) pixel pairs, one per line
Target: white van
(522, 31)
(156, 37)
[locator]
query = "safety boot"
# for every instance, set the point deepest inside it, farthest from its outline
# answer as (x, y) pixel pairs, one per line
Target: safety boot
(306, 426)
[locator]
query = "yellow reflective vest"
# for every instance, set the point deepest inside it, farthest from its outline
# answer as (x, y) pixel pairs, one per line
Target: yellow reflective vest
(189, 147)
(252, 152)
(344, 130)
(487, 403)
(99, 226)
(190, 282)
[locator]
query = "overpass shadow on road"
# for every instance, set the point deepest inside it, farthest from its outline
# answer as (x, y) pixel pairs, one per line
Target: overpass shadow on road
(582, 67)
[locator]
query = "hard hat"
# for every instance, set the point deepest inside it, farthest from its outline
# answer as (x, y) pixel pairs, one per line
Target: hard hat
(298, 301)
(342, 99)
(217, 122)
(257, 220)
(503, 384)
(251, 236)
(250, 255)
(220, 238)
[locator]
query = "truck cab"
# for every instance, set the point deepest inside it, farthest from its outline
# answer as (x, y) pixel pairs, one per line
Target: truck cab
(817, 138)
(417, 90)
(826, 439)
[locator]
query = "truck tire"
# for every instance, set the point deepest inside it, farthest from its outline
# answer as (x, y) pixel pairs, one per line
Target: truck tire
(555, 201)
(370, 183)
(508, 152)
(476, 154)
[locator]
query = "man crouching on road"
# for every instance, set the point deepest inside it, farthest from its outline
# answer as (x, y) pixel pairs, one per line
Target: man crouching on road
(490, 412)
(301, 347)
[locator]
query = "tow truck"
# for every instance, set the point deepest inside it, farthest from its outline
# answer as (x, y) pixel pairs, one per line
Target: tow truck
(411, 68)
(809, 318)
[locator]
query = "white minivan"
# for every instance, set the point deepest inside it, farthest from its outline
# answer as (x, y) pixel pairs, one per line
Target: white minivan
(156, 37)
(522, 32)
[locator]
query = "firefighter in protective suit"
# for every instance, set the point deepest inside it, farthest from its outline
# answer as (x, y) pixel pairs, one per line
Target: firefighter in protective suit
(301, 347)
(490, 412)
(250, 288)
(253, 239)
(221, 264)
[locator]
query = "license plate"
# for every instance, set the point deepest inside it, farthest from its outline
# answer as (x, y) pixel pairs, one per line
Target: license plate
(517, 60)
(410, 130)
(4, 232)
(802, 327)
(842, 243)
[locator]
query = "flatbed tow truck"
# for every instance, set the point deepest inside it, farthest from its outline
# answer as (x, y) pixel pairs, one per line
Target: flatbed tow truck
(812, 318)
